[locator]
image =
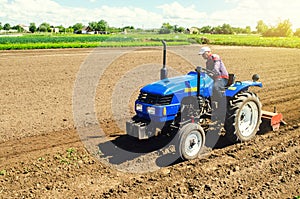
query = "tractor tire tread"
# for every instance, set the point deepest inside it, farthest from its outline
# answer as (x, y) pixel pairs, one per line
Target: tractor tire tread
(234, 105)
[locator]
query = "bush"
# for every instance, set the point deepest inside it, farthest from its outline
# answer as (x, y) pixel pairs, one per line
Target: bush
(297, 33)
(202, 40)
(164, 31)
(283, 29)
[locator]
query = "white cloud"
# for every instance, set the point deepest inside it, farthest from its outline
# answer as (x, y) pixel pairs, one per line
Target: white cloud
(246, 12)
(27, 11)
(122, 16)
(175, 13)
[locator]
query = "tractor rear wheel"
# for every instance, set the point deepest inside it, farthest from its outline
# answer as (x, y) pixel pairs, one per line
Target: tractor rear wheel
(243, 117)
(191, 139)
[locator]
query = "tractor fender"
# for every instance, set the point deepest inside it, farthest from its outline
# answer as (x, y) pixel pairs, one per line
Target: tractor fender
(238, 86)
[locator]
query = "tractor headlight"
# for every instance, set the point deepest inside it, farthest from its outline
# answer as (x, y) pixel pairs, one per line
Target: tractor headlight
(139, 107)
(151, 110)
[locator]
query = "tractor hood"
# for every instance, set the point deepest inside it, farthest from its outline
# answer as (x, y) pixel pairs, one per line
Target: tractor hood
(175, 84)
(169, 86)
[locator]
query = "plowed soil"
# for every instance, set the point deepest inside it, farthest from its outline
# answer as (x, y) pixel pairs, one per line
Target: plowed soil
(42, 155)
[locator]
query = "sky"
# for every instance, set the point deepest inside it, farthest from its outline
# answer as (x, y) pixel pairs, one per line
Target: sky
(150, 13)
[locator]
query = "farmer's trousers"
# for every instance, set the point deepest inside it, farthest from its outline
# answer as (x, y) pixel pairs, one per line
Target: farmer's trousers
(219, 103)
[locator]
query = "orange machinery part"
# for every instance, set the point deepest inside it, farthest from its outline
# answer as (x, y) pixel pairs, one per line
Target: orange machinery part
(275, 119)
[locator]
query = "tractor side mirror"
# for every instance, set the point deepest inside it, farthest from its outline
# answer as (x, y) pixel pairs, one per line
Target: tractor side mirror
(255, 77)
(199, 69)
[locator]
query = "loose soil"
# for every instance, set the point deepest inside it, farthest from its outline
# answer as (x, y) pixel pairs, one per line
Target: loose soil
(43, 155)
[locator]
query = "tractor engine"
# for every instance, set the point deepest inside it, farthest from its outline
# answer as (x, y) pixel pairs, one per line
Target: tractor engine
(194, 108)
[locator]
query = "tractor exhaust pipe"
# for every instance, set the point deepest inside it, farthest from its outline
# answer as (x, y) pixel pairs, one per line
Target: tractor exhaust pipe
(164, 71)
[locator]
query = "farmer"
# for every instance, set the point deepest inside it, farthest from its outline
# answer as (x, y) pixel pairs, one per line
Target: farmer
(219, 74)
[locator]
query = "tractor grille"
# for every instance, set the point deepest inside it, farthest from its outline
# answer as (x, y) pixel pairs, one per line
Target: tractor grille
(155, 99)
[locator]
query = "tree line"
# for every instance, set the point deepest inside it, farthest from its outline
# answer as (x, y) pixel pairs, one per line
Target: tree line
(101, 25)
(282, 29)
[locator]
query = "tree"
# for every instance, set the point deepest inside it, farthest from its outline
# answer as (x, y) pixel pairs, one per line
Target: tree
(1, 26)
(283, 29)
(18, 28)
(297, 33)
(102, 25)
(247, 30)
(32, 27)
(206, 29)
(271, 32)
(167, 26)
(261, 27)
(77, 27)
(93, 25)
(6, 26)
(69, 29)
(238, 30)
(44, 27)
(128, 27)
(164, 30)
(227, 29)
(217, 30)
(114, 30)
(61, 28)
(180, 29)
(224, 29)
(99, 26)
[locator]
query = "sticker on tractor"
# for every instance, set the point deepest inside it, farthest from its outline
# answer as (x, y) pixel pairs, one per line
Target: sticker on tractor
(188, 90)
(232, 88)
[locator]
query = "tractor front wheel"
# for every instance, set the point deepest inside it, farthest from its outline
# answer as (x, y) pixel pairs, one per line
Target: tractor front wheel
(243, 117)
(191, 139)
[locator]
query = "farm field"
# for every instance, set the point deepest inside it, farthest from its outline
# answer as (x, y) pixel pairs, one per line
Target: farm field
(42, 155)
(52, 41)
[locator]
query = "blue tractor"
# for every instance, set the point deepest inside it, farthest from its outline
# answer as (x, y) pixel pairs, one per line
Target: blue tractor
(183, 105)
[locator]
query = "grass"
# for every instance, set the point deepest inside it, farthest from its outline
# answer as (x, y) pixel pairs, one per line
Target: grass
(46, 41)
(70, 157)
(81, 45)
(3, 172)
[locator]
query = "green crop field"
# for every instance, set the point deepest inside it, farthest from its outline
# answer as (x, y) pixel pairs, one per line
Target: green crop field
(255, 40)
(40, 41)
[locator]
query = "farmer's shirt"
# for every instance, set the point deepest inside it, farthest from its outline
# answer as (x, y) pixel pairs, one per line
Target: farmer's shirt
(215, 64)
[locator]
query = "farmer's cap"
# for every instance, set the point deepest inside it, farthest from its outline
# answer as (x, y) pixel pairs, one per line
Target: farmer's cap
(203, 50)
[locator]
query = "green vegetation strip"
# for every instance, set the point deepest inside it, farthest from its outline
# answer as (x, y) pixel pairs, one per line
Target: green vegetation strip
(130, 40)
(81, 45)
(28, 39)
(254, 40)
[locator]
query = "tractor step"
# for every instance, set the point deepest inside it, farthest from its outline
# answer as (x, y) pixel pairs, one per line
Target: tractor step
(275, 119)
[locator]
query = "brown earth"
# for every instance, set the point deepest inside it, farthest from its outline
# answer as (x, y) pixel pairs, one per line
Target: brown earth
(42, 155)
